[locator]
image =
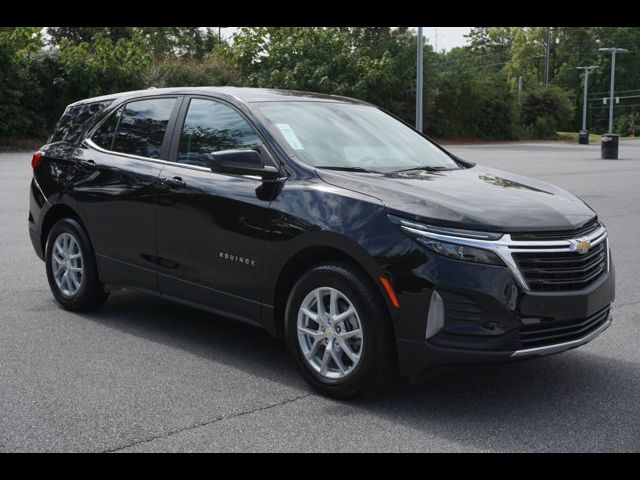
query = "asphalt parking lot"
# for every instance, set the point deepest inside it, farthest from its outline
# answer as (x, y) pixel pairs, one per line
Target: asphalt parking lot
(143, 374)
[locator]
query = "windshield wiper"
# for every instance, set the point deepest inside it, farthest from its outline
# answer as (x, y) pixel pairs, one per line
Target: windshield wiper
(346, 168)
(427, 168)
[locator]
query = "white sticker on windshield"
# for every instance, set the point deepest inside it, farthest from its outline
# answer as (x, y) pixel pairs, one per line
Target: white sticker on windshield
(290, 136)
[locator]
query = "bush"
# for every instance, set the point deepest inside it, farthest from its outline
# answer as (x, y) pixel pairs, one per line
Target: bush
(546, 126)
(628, 125)
(471, 106)
(174, 72)
(17, 84)
(497, 116)
(546, 110)
(101, 67)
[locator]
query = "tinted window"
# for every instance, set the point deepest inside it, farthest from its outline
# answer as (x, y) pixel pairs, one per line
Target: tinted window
(142, 127)
(210, 127)
(103, 136)
(336, 134)
(76, 120)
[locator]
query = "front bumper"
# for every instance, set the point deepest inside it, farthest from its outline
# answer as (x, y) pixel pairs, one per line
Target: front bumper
(488, 317)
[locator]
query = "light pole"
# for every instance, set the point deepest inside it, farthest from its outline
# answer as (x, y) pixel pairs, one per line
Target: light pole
(584, 134)
(613, 51)
(548, 55)
(419, 84)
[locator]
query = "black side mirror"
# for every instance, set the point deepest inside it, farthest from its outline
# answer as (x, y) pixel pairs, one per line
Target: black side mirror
(241, 162)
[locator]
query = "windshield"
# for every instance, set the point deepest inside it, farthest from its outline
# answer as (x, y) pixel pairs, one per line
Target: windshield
(357, 137)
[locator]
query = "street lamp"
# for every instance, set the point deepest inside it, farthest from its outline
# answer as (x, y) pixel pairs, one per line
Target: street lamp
(419, 95)
(584, 134)
(613, 51)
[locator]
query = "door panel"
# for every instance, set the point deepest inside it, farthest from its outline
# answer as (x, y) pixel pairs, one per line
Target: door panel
(116, 191)
(210, 240)
(211, 226)
(117, 197)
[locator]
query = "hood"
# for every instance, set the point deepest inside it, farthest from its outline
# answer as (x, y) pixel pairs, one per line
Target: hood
(479, 198)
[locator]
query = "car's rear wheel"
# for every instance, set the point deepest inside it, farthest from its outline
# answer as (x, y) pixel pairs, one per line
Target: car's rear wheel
(71, 267)
(339, 333)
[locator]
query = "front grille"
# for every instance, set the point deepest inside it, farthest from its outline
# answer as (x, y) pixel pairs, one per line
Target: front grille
(587, 229)
(551, 332)
(562, 271)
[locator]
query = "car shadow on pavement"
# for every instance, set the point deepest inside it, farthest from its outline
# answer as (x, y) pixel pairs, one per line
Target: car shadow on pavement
(575, 401)
(209, 336)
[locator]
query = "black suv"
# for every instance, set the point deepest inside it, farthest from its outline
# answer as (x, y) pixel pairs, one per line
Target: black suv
(322, 219)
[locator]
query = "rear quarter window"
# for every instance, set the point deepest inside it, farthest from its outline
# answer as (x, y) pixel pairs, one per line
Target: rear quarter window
(104, 135)
(76, 120)
(142, 127)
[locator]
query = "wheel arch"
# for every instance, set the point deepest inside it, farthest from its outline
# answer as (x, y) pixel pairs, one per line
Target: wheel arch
(55, 213)
(306, 258)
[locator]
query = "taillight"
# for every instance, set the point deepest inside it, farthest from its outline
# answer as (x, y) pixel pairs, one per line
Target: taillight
(37, 158)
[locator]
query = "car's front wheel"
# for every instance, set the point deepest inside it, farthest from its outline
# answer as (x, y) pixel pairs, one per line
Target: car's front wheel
(71, 267)
(338, 332)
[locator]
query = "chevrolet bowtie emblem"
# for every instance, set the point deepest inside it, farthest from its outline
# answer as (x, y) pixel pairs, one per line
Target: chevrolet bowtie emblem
(582, 246)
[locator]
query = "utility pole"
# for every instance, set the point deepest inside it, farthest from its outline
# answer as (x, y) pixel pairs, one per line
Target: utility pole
(436, 35)
(586, 82)
(419, 96)
(219, 34)
(583, 137)
(613, 51)
(546, 62)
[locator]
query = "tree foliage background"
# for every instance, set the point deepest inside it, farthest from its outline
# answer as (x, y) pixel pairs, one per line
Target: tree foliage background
(470, 92)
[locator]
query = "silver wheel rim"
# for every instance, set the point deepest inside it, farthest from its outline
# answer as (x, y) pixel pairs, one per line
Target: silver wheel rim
(67, 264)
(330, 333)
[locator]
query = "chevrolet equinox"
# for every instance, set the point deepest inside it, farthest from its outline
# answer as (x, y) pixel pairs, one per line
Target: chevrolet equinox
(324, 220)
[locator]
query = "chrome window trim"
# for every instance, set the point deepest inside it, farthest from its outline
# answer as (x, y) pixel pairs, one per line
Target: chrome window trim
(273, 158)
(504, 247)
(90, 143)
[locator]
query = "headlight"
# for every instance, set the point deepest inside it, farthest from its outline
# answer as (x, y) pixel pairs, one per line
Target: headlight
(461, 252)
(451, 242)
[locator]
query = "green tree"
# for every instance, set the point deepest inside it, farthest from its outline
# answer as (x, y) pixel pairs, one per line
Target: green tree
(17, 86)
(373, 64)
(185, 42)
(102, 66)
(87, 34)
(545, 110)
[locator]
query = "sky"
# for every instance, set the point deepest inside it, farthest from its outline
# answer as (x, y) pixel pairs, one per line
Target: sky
(448, 37)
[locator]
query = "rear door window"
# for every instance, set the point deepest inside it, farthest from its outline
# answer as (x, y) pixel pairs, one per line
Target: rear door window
(142, 127)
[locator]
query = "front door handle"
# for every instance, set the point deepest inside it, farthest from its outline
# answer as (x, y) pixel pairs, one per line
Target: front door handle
(175, 182)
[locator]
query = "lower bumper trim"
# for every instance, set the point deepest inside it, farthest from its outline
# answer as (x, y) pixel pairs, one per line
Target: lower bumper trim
(560, 347)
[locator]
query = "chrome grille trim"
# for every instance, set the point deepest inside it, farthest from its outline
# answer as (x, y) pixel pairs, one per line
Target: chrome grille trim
(505, 247)
(560, 347)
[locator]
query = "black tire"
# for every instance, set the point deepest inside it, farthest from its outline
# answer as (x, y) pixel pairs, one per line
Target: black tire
(91, 293)
(377, 365)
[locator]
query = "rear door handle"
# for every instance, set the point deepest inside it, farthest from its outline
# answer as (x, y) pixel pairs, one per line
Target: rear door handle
(174, 182)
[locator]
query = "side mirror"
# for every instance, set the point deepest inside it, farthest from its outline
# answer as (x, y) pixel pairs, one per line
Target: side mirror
(241, 162)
